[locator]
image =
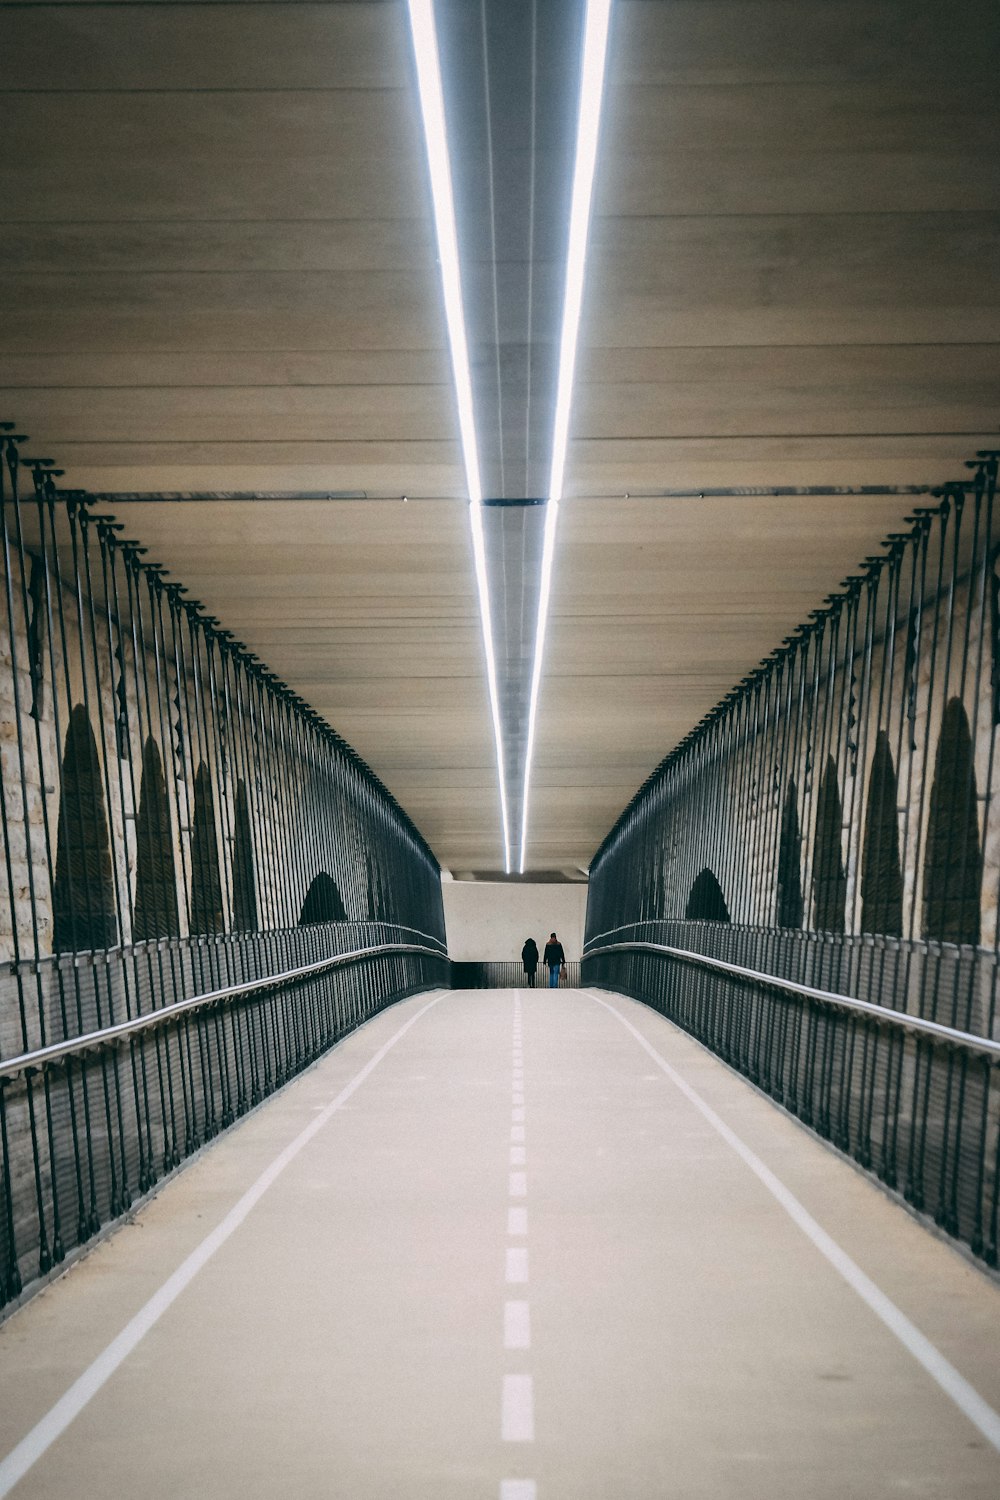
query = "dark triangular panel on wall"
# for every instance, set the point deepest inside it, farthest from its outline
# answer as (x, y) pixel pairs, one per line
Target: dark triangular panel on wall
(706, 903)
(156, 913)
(83, 900)
(881, 877)
(244, 892)
(323, 902)
(952, 858)
(829, 876)
(789, 913)
(206, 880)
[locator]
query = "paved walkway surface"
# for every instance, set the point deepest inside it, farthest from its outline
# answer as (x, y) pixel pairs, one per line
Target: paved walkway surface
(539, 1246)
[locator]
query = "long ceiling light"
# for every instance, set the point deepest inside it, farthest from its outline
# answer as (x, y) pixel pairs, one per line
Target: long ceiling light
(425, 49)
(595, 47)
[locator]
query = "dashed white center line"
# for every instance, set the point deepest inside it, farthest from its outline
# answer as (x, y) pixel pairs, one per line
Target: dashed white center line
(517, 1422)
(516, 1326)
(517, 1263)
(517, 1416)
(517, 1221)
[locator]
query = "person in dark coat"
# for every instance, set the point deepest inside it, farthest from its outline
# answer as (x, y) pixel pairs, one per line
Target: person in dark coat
(555, 958)
(529, 957)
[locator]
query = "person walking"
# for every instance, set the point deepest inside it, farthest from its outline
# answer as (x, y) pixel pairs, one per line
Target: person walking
(529, 958)
(555, 958)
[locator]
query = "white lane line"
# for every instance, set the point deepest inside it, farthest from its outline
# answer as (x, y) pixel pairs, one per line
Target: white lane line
(517, 1422)
(518, 1489)
(517, 1221)
(517, 1098)
(517, 1264)
(518, 1187)
(516, 1326)
(517, 1132)
(941, 1370)
(517, 1114)
(41, 1437)
(518, 1156)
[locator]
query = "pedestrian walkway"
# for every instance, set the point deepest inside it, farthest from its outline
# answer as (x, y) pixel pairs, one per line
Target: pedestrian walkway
(519, 1246)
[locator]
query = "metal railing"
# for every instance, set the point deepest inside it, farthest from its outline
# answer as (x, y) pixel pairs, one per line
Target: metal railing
(911, 1099)
(90, 1041)
(125, 1103)
(503, 974)
(824, 851)
(202, 885)
(847, 784)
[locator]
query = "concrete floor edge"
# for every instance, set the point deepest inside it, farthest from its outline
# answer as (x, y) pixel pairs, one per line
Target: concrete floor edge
(925, 1220)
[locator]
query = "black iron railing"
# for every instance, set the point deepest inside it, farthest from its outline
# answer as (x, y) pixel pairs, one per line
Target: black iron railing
(833, 824)
(176, 822)
(912, 1100)
(847, 784)
(126, 1102)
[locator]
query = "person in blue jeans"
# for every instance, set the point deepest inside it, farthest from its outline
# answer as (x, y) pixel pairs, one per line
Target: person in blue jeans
(555, 958)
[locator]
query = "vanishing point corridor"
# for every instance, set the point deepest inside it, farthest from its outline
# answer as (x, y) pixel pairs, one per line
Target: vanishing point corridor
(500, 749)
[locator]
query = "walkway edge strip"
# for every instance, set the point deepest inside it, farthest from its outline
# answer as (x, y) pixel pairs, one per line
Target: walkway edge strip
(964, 1395)
(69, 1406)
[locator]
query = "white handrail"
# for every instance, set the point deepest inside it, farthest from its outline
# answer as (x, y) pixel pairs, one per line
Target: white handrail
(881, 1013)
(55, 1052)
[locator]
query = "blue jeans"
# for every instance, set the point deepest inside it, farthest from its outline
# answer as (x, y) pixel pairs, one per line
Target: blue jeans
(553, 976)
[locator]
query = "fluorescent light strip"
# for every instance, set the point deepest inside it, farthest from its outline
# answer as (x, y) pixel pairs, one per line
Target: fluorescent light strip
(595, 47)
(425, 50)
(482, 579)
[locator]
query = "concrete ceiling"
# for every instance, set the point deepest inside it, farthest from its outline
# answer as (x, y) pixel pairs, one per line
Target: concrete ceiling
(219, 275)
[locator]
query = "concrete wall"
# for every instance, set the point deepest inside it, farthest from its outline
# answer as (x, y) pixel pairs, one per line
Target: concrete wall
(486, 920)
